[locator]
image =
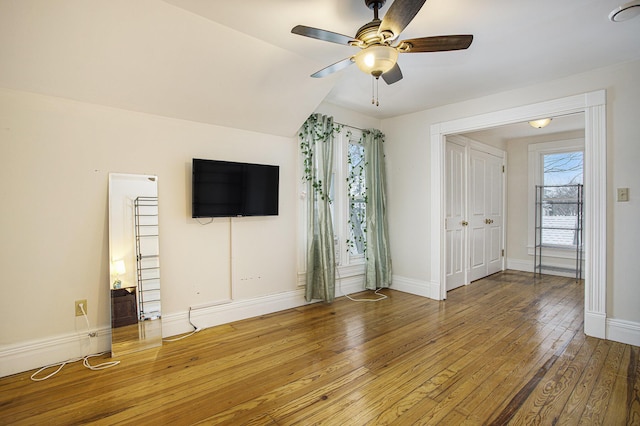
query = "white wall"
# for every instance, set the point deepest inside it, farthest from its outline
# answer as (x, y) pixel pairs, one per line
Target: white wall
(55, 157)
(408, 157)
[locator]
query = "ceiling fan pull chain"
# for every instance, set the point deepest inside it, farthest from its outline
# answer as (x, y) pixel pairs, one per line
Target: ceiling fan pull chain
(373, 93)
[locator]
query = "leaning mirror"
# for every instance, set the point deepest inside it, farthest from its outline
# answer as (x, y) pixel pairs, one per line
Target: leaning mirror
(134, 259)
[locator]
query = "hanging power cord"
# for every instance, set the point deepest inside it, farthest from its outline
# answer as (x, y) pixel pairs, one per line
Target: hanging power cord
(195, 330)
(380, 297)
(84, 359)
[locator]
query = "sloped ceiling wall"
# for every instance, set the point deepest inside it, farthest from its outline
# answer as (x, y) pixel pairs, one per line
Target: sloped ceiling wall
(153, 57)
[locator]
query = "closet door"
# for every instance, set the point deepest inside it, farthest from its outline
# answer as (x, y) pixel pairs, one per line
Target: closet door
(485, 214)
(455, 211)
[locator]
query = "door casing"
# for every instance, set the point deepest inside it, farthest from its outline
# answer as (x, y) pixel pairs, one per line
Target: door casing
(593, 105)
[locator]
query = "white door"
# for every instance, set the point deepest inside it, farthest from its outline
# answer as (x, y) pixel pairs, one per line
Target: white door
(485, 214)
(455, 210)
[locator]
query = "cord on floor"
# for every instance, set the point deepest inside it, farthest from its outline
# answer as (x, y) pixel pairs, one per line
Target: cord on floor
(84, 359)
(195, 330)
(380, 297)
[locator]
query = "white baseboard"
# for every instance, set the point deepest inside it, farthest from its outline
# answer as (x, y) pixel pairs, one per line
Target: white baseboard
(595, 325)
(623, 331)
(235, 310)
(417, 287)
(34, 354)
(519, 265)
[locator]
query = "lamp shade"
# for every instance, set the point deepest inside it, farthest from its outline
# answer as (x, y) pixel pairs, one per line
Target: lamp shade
(118, 267)
(376, 59)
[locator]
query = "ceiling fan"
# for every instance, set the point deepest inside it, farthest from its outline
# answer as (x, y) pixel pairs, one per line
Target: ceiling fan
(378, 56)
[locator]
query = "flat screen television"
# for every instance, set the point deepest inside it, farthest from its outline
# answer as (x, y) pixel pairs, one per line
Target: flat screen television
(229, 189)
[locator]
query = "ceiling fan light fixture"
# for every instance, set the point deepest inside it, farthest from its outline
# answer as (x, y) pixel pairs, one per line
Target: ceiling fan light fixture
(539, 124)
(376, 60)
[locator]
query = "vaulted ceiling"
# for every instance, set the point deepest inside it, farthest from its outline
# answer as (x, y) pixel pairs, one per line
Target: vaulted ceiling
(236, 63)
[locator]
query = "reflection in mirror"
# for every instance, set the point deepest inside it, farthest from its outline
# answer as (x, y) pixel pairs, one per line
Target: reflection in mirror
(134, 263)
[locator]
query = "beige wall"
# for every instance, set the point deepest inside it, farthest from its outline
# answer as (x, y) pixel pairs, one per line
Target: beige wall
(55, 157)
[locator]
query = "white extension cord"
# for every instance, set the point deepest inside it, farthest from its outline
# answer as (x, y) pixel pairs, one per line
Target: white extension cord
(84, 359)
(380, 297)
(195, 330)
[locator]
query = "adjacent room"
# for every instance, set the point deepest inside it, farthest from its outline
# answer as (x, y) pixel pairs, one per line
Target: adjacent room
(329, 211)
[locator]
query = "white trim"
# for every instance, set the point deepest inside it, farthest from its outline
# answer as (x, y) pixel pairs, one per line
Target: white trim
(595, 164)
(34, 354)
(593, 105)
(236, 310)
(623, 331)
(416, 287)
(519, 265)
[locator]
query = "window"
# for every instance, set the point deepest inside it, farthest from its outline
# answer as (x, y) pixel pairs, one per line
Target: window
(563, 168)
(348, 207)
(357, 207)
(559, 172)
(554, 164)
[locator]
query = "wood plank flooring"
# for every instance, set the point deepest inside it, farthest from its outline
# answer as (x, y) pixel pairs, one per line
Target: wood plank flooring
(508, 349)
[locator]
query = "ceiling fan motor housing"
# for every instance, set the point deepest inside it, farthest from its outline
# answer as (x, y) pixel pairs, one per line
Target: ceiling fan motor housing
(368, 33)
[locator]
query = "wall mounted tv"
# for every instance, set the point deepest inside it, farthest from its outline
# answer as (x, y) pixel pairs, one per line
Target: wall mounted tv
(228, 189)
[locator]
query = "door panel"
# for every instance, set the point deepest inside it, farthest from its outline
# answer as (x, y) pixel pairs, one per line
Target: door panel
(454, 215)
(496, 226)
(477, 215)
(486, 214)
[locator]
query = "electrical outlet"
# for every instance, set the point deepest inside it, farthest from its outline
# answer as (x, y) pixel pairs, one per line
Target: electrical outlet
(84, 306)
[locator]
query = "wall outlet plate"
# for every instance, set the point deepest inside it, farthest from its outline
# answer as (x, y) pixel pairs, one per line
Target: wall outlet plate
(623, 194)
(84, 306)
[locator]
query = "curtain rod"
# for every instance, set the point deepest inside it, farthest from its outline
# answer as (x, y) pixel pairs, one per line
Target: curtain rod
(349, 125)
(358, 128)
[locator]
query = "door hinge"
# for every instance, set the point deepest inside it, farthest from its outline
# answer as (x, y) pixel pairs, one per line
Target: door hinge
(502, 169)
(502, 252)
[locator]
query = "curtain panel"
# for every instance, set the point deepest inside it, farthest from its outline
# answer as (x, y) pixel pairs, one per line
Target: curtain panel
(317, 139)
(378, 269)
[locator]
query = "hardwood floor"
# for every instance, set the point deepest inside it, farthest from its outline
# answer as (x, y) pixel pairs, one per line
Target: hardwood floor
(508, 349)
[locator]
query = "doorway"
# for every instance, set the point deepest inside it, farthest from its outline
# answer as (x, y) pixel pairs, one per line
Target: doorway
(593, 105)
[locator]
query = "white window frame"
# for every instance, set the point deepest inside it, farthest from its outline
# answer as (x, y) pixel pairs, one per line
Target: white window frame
(537, 151)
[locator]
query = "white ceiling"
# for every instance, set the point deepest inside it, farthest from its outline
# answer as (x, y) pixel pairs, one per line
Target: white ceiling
(236, 63)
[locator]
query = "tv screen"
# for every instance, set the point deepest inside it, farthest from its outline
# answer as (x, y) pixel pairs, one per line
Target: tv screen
(227, 189)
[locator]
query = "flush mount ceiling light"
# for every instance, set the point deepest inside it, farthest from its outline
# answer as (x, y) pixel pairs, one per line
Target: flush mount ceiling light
(539, 124)
(625, 12)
